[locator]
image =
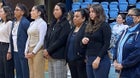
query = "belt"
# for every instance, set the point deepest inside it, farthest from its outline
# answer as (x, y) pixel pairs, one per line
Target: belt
(3, 43)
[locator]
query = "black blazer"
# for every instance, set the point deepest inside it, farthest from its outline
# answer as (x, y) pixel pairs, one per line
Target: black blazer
(78, 48)
(56, 37)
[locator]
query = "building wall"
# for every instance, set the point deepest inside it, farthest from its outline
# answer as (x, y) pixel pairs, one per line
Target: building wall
(49, 7)
(37, 2)
(30, 3)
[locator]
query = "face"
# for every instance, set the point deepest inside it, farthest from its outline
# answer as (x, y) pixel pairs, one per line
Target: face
(18, 12)
(57, 12)
(78, 19)
(119, 19)
(35, 13)
(132, 14)
(2, 14)
(92, 14)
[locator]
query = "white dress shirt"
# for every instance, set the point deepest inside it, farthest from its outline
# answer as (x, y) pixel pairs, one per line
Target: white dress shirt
(14, 35)
(5, 29)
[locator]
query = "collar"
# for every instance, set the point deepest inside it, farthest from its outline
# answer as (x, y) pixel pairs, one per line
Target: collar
(133, 28)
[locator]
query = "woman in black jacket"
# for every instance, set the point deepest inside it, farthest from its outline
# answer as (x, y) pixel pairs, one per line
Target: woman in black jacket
(55, 42)
(75, 51)
(97, 39)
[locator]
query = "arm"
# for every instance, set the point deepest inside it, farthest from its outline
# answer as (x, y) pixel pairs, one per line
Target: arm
(106, 31)
(9, 25)
(26, 47)
(133, 57)
(27, 42)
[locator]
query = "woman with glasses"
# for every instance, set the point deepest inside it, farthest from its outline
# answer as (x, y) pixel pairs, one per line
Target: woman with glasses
(18, 40)
(127, 53)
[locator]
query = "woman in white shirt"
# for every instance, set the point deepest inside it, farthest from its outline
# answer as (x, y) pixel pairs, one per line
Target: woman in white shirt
(34, 45)
(117, 30)
(6, 63)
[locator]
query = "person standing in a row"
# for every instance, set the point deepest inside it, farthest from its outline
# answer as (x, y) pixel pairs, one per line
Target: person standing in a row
(6, 61)
(127, 51)
(55, 42)
(75, 51)
(97, 39)
(34, 45)
(18, 40)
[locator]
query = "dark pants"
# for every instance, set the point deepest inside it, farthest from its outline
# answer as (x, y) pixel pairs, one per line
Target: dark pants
(103, 69)
(21, 65)
(77, 69)
(6, 67)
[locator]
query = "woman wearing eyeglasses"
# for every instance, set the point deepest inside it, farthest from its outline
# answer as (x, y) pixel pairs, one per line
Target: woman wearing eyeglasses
(18, 40)
(127, 53)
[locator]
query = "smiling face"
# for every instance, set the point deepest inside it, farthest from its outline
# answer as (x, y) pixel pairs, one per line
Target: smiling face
(57, 12)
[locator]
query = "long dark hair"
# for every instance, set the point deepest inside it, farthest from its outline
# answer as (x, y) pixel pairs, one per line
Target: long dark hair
(64, 12)
(24, 9)
(41, 8)
(94, 25)
(9, 13)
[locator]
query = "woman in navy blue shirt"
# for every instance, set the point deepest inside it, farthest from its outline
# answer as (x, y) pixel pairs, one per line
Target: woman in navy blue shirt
(74, 49)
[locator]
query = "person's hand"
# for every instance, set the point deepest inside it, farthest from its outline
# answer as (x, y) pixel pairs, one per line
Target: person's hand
(9, 56)
(46, 54)
(119, 67)
(29, 55)
(85, 40)
(95, 63)
(115, 63)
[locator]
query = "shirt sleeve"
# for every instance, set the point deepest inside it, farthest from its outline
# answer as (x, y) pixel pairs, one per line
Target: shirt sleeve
(106, 38)
(26, 47)
(133, 58)
(27, 42)
(9, 25)
(42, 32)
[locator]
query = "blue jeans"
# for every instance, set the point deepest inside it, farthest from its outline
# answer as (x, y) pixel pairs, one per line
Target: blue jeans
(103, 69)
(21, 65)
